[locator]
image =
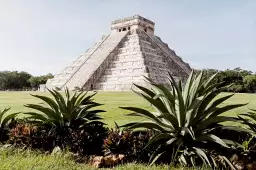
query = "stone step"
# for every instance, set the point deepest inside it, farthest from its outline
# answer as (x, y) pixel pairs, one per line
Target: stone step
(114, 87)
(125, 72)
(68, 71)
(131, 59)
(128, 67)
(130, 44)
(135, 74)
(121, 80)
(127, 64)
(129, 53)
(136, 56)
(95, 60)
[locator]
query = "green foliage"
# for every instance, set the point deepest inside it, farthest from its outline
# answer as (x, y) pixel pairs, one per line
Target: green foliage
(185, 119)
(35, 81)
(241, 80)
(27, 135)
(236, 88)
(250, 83)
(60, 113)
(70, 122)
(118, 141)
(249, 119)
(5, 120)
(87, 140)
(128, 142)
(14, 80)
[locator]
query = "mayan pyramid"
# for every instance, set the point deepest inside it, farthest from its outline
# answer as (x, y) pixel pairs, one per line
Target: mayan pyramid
(130, 52)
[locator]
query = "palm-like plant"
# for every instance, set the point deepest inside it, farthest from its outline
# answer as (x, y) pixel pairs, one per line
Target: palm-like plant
(185, 118)
(5, 120)
(60, 113)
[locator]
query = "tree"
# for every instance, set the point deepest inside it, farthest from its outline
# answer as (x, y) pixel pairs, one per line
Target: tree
(3, 80)
(43, 79)
(235, 77)
(250, 83)
(23, 78)
(36, 81)
(10, 80)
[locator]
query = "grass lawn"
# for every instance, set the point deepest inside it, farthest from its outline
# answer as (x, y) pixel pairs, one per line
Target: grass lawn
(112, 101)
(18, 159)
(15, 159)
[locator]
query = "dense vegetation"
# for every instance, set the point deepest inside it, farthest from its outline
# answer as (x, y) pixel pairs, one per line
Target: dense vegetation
(188, 127)
(14, 80)
(243, 81)
(185, 120)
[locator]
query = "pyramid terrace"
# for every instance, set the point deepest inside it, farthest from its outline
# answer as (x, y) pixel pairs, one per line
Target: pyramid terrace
(130, 52)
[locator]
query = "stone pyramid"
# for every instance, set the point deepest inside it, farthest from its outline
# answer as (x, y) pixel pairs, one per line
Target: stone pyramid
(130, 52)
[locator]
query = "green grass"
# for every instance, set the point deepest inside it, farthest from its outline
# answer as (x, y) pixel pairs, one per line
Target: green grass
(112, 101)
(18, 159)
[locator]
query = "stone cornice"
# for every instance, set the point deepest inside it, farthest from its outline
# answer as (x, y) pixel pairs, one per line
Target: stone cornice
(132, 18)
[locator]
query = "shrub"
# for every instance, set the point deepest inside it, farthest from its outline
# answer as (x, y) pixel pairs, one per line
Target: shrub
(5, 121)
(118, 141)
(128, 143)
(140, 141)
(87, 140)
(25, 134)
(61, 114)
(184, 120)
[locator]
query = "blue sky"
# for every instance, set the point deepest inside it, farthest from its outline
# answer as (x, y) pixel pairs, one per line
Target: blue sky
(42, 36)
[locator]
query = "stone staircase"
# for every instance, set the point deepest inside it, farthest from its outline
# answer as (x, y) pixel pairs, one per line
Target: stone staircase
(126, 68)
(94, 61)
(60, 79)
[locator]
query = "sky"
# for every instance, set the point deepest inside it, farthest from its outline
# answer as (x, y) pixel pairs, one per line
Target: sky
(43, 36)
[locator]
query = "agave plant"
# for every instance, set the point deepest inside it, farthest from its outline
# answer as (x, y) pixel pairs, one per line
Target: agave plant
(5, 120)
(60, 113)
(185, 118)
(249, 119)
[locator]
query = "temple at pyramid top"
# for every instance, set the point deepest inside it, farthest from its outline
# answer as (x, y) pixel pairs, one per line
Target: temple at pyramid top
(130, 52)
(131, 23)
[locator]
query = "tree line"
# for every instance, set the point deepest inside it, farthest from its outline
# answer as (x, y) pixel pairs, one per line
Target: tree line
(240, 81)
(14, 80)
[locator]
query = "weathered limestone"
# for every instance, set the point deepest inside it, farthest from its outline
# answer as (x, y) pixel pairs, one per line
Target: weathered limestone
(130, 52)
